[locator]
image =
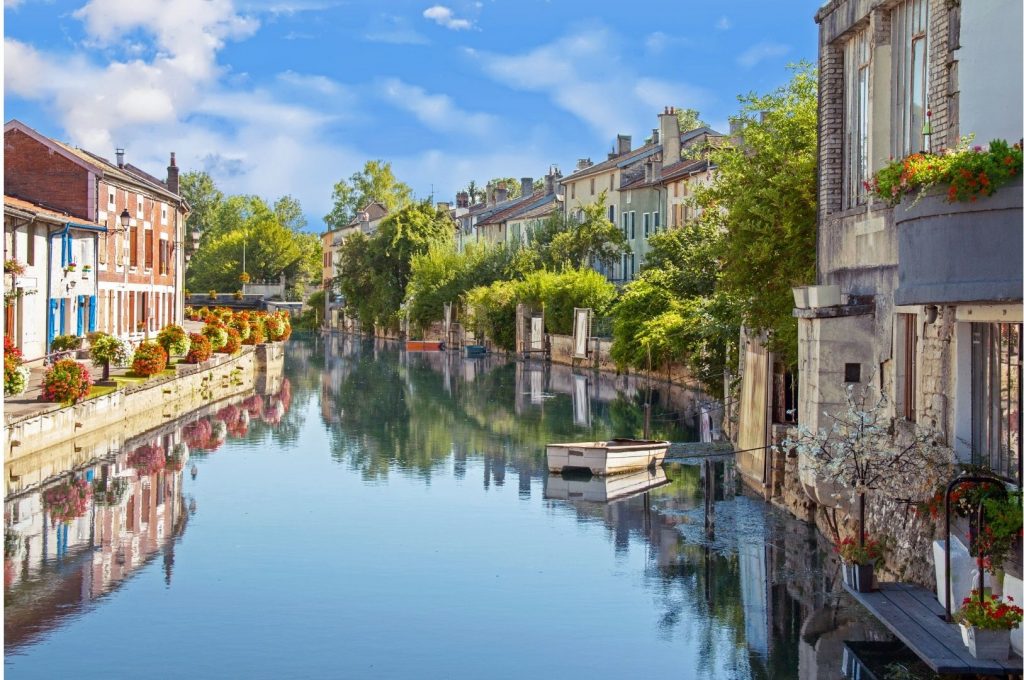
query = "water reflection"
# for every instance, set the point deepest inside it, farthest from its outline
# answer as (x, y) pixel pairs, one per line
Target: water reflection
(416, 513)
(82, 533)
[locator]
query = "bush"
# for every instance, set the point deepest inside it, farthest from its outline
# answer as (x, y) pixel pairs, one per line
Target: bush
(493, 312)
(560, 292)
(238, 295)
(150, 359)
(67, 382)
(275, 327)
(234, 342)
(200, 349)
(173, 339)
(213, 294)
(241, 325)
(256, 336)
(15, 374)
(216, 334)
(65, 343)
(109, 349)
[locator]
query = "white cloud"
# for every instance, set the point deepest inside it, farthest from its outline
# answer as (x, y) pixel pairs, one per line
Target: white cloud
(755, 54)
(313, 83)
(443, 16)
(723, 24)
(394, 30)
(437, 111)
(583, 73)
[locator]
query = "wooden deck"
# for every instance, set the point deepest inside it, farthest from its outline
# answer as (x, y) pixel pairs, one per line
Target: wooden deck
(915, 616)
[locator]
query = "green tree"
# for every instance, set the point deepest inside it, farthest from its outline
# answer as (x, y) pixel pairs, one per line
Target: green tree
(689, 119)
(375, 182)
(289, 213)
(204, 199)
(580, 241)
(765, 195)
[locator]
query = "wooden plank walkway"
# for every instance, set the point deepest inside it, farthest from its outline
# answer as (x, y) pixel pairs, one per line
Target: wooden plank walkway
(915, 616)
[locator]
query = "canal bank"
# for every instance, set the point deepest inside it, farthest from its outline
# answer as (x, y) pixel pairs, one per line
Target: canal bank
(136, 408)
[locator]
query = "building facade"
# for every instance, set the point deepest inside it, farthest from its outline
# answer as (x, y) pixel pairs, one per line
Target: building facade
(134, 269)
(929, 291)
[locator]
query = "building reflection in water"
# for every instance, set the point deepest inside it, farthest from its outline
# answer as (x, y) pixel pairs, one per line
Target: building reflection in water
(85, 530)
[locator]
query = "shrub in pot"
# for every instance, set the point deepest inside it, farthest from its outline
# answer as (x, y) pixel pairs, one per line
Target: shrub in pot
(66, 381)
(173, 339)
(15, 374)
(234, 342)
(200, 349)
(859, 562)
(216, 334)
(108, 350)
(65, 343)
(241, 325)
(988, 622)
(150, 358)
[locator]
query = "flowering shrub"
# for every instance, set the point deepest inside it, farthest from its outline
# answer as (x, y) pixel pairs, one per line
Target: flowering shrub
(14, 267)
(67, 382)
(176, 457)
(969, 171)
(173, 339)
(15, 374)
(110, 350)
(65, 343)
(216, 334)
(275, 327)
(233, 342)
(200, 349)
(198, 434)
(244, 277)
(852, 552)
(147, 459)
(67, 501)
(241, 325)
(150, 359)
(213, 294)
(987, 613)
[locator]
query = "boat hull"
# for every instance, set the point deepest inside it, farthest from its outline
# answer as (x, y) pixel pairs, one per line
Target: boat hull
(605, 488)
(422, 346)
(606, 458)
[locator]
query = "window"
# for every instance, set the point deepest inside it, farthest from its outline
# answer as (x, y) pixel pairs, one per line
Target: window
(163, 213)
(111, 198)
(611, 214)
(149, 248)
(632, 265)
(675, 189)
(139, 207)
(629, 197)
(592, 185)
(906, 367)
(164, 253)
(657, 221)
(858, 73)
(133, 246)
(647, 224)
(996, 397)
(632, 224)
(625, 226)
(611, 182)
(572, 190)
(30, 254)
(910, 76)
(103, 249)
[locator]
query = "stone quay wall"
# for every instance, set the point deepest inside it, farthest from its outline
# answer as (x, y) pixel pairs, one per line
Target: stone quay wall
(137, 409)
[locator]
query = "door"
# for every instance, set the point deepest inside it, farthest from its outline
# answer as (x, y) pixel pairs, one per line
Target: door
(80, 319)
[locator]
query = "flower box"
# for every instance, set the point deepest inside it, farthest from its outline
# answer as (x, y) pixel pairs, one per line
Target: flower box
(988, 644)
(823, 296)
(800, 297)
(860, 578)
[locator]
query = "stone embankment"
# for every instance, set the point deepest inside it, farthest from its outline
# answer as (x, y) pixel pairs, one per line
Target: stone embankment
(136, 409)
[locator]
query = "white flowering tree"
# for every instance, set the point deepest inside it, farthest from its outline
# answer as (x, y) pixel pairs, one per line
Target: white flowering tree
(865, 450)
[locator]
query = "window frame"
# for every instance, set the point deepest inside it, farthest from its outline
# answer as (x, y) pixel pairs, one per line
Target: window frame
(909, 22)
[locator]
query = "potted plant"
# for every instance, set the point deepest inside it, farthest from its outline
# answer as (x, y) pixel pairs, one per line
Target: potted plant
(70, 267)
(67, 382)
(244, 278)
(107, 349)
(238, 295)
(213, 294)
(859, 561)
(987, 622)
(13, 267)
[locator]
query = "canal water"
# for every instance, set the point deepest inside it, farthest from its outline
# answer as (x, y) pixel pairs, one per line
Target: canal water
(372, 513)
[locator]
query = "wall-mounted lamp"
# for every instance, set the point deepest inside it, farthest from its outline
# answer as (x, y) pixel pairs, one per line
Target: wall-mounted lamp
(931, 313)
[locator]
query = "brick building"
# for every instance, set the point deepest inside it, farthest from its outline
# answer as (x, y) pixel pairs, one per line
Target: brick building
(137, 260)
(929, 291)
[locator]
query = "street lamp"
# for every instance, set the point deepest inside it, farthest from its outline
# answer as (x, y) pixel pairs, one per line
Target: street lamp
(125, 218)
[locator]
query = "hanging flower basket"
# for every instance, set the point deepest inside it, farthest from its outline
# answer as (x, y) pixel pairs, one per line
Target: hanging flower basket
(67, 501)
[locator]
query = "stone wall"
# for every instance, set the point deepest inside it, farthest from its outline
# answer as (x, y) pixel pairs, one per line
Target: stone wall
(135, 409)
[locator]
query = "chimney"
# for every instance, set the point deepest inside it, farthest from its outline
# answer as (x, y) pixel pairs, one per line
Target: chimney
(501, 195)
(583, 164)
(654, 136)
(444, 205)
(490, 194)
(527, 186)
(172, 176)
(669, 125)
(623, 144)
(462, 199)
(120, 157)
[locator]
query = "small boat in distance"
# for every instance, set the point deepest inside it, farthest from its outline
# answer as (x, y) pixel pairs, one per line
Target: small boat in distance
(424, 346)
(607, 457)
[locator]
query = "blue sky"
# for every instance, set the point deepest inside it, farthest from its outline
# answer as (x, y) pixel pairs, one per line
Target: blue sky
(288, 96)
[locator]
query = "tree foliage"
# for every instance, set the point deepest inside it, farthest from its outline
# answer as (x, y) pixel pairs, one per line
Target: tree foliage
(689, 119)
(764, 193)
(580, 241)
(374, 272)
(375, 182)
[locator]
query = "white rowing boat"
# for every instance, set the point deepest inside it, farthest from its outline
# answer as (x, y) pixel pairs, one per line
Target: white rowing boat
(607, 457)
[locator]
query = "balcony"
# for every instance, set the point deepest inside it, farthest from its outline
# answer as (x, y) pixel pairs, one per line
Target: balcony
(953, 253)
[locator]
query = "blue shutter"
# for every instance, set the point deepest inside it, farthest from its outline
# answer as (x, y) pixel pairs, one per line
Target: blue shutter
(51, 326)
(62, 310)
(80, 325)
(92, 313)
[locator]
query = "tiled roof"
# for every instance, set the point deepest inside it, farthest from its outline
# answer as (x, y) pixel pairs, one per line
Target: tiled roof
(127, 174)
(545, 207)
(496, 213)
(668, 173)
(47, 214)
(616, 162)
